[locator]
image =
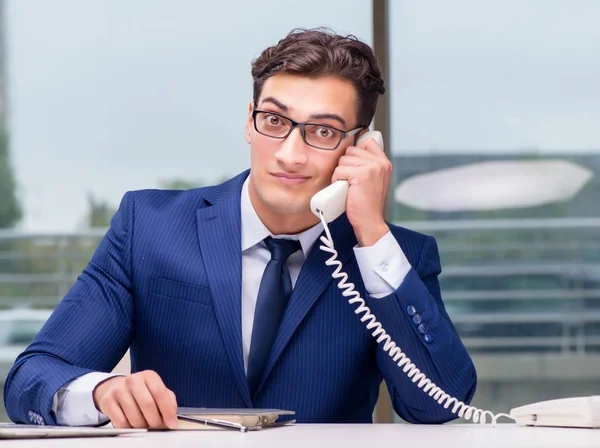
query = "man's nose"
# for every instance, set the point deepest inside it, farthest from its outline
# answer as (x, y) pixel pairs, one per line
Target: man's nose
(292, 150)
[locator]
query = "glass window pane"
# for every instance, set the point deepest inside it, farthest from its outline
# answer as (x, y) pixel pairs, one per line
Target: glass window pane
(496, 145)
(101, 97)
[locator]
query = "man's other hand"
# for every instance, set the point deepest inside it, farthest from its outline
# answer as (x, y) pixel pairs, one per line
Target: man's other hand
(140, 400)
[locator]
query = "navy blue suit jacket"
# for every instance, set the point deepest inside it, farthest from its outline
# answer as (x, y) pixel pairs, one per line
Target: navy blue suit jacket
(165, 281)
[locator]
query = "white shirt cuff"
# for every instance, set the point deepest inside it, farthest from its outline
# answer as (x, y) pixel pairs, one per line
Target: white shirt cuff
(383, 266)
(74, 404)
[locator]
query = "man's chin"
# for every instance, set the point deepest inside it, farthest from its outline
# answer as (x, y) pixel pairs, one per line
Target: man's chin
(289, 206)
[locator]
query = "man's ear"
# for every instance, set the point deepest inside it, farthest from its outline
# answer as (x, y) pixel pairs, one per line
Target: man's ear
(249, 122)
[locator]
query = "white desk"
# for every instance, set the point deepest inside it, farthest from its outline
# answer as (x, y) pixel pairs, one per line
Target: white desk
(346, 436)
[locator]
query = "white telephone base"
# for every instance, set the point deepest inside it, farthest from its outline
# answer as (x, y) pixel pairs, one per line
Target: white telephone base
(578, 412)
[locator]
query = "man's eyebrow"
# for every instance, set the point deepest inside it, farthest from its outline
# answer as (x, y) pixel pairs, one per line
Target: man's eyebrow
(283, 107)
(275, 101)
(328, 116)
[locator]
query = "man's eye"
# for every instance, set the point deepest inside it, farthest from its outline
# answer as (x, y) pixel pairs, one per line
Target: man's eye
(324, 132)
(273, 120)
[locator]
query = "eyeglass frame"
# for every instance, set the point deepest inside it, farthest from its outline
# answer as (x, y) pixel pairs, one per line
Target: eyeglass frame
(302, 126)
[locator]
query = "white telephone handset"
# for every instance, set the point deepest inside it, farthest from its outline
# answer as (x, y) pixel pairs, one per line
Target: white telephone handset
(583, 412)
(331, 201)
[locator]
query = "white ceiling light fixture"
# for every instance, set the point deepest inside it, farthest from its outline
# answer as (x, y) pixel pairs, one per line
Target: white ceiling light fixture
(493, 185)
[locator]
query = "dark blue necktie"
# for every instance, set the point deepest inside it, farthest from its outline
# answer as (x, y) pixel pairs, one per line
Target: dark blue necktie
(273, 295)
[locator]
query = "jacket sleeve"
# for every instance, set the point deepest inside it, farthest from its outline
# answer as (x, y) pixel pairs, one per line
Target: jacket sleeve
(90, 330)
(415, 318)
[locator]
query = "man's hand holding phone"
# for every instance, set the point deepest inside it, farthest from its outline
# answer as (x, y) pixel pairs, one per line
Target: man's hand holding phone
(368, 172)
(140, 400)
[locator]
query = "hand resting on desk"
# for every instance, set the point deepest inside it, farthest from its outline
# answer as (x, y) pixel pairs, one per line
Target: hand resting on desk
(140, 400)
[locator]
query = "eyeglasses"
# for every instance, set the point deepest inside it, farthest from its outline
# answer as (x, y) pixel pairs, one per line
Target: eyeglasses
(317, 135)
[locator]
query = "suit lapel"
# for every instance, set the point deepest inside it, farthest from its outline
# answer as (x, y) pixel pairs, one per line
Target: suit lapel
(219, 232)
(314, 277)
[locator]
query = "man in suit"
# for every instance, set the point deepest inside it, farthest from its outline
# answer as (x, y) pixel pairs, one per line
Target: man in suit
(222, 293)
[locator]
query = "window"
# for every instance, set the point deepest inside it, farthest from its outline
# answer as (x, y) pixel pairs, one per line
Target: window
(504, 88)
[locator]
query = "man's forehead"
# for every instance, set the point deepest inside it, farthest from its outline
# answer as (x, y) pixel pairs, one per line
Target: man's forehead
(308, 96)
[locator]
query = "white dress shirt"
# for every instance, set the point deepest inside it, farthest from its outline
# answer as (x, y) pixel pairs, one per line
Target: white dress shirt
(382, 267)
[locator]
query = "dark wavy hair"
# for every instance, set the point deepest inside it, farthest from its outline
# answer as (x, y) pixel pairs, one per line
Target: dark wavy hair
(321, 52)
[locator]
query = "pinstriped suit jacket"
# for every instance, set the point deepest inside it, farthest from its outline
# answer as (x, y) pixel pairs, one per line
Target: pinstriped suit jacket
(166, 281)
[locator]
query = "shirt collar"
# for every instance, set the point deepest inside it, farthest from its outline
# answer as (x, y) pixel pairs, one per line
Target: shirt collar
(254, 231)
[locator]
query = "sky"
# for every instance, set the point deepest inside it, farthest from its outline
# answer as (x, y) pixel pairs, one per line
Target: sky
(107, 96)
(495, 76)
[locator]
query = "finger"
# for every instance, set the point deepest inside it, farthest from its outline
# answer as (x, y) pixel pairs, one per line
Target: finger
(377, 162)
(165, 400)
(146, 404)
(130, 409)
(174, 399)
(361, 152)
(348, 173)
(116, 415)
(373, 156)
(370, 145)
(352, 161)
